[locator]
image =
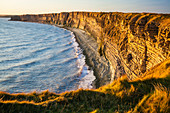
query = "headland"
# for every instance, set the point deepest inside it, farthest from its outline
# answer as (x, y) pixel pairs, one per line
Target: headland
(127, 43)
(130, 50)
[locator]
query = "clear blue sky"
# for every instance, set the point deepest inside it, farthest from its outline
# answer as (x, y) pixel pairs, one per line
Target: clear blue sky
(55, 6)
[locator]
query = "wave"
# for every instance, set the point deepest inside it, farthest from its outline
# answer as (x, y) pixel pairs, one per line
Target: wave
(40, 50)
(68, 83)
(67, 44)
(66, 50)
(14, 60)
(14, 46)
(22, 62)
(86, 76)
(66, 61)
(20, 66)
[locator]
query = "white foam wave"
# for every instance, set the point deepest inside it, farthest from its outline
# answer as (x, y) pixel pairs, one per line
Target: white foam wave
(86, 75)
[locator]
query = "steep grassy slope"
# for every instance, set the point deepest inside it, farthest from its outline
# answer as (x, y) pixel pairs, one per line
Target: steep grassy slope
(149, 93)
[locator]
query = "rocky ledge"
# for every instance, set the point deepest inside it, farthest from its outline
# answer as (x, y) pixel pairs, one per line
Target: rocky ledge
(129, 43)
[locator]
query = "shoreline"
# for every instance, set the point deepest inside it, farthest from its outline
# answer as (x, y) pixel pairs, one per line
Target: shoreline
(78, 40)
(99, 64)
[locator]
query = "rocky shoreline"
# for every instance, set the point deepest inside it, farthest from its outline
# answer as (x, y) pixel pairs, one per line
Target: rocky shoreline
(99, 64)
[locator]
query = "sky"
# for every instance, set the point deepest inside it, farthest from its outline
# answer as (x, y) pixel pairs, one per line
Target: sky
(17, 7)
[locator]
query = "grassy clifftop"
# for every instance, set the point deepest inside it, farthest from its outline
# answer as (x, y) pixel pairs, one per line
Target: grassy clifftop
(149, 93)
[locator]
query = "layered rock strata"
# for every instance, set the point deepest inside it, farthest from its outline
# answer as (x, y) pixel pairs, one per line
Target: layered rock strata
(131, 42)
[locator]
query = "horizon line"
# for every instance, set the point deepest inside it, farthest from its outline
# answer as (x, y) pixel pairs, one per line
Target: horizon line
(87, 11)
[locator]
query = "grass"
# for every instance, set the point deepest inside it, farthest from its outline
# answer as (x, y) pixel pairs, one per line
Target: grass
(150, 93)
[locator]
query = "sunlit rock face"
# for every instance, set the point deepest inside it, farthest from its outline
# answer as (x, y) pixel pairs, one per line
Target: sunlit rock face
(132, 42)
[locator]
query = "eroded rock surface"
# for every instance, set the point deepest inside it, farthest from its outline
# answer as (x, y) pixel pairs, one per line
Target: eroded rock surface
(131, 42)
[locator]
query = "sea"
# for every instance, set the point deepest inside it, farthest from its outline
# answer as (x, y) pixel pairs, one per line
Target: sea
(38, 57)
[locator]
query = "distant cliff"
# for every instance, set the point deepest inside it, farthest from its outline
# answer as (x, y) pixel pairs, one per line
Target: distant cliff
(6, 16)
(132, 42)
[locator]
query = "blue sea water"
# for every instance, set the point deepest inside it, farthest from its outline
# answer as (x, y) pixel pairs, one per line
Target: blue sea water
(37, 57)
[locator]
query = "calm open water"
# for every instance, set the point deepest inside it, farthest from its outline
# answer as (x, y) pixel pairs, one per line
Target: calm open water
(37, 57)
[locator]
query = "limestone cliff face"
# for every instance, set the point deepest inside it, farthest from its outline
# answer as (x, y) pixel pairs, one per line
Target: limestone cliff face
(132, 42)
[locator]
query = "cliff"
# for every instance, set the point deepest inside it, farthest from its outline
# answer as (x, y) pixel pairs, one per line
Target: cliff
(131, 42)
(6, 16)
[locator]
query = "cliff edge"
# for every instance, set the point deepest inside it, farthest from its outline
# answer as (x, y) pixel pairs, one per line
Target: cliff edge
(133, 43)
